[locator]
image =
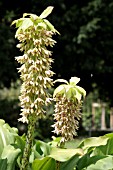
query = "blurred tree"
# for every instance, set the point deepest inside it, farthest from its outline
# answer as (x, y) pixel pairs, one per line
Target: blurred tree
(8, 65)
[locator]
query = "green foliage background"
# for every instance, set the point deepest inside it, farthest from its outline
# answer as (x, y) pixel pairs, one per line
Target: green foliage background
(84, 48)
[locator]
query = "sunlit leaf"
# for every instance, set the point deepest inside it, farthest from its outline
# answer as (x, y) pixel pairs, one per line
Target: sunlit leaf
(69, 92)
(93, 142)
(7, 135)
(42, 24)
(74, 80)
(78, 96)
(20, 142)
(61, 81)
(105, 163)
(46, 12)
(11, 154)
(18, 22)
(81, 90)
(44, 164)
(55, 141)
(86, 160)
(33, 16)
(26, 23)
(59, 90)
(45, 148)
(105, 149)
(63, 155)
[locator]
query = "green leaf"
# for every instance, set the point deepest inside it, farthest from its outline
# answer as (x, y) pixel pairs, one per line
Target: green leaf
(61, 81)
(55, 141)
(105, 163)
(105, 149)
(74, 80)
(78, 96)
(18, 22)
(81, 90)
(11, 154)
(42, 24)
(20, 142)
(3, 164)
(26, 23)
(33, 16)
(7, 135)
(109, 146)
(50, 26)
(83, 161)
(93, 142)
(69, 93)
(73, 144)
(46, 12)
(63, 155)
(44, 164)
(70, 164)
(59, 90)
(45, 148)
(42, 148)
(87, 160)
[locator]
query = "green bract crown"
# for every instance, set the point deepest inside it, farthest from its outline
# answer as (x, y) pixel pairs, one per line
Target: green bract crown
(70, 90)
(39, 21)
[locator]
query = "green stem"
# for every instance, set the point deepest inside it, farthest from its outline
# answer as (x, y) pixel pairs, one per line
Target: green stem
(29, 142)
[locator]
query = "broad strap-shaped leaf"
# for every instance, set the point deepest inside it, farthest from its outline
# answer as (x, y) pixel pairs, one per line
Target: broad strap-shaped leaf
(70, 164)
(3, 164)
(63, 155)
(93, 142)
(7, 135)
(11, 154)
(41, 149)
(45, 148)
(105, 163)
(46, 12)
(44, 164)
(86, 160)
(105, 149)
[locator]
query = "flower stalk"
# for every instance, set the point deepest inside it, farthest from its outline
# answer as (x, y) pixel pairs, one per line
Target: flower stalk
(35, 35)
(29, 140)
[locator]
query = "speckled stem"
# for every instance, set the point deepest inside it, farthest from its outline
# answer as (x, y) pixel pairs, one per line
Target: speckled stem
(29, 141)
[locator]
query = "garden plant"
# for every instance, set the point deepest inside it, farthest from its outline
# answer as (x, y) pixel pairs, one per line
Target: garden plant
(27, 153)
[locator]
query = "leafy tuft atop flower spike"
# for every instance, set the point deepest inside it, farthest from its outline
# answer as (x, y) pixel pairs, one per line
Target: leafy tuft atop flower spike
(70, 90)
(37, 22)
(68, 98)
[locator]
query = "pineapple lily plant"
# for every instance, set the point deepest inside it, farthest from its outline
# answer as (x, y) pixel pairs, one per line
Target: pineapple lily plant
(35, 35)
(25, 152)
